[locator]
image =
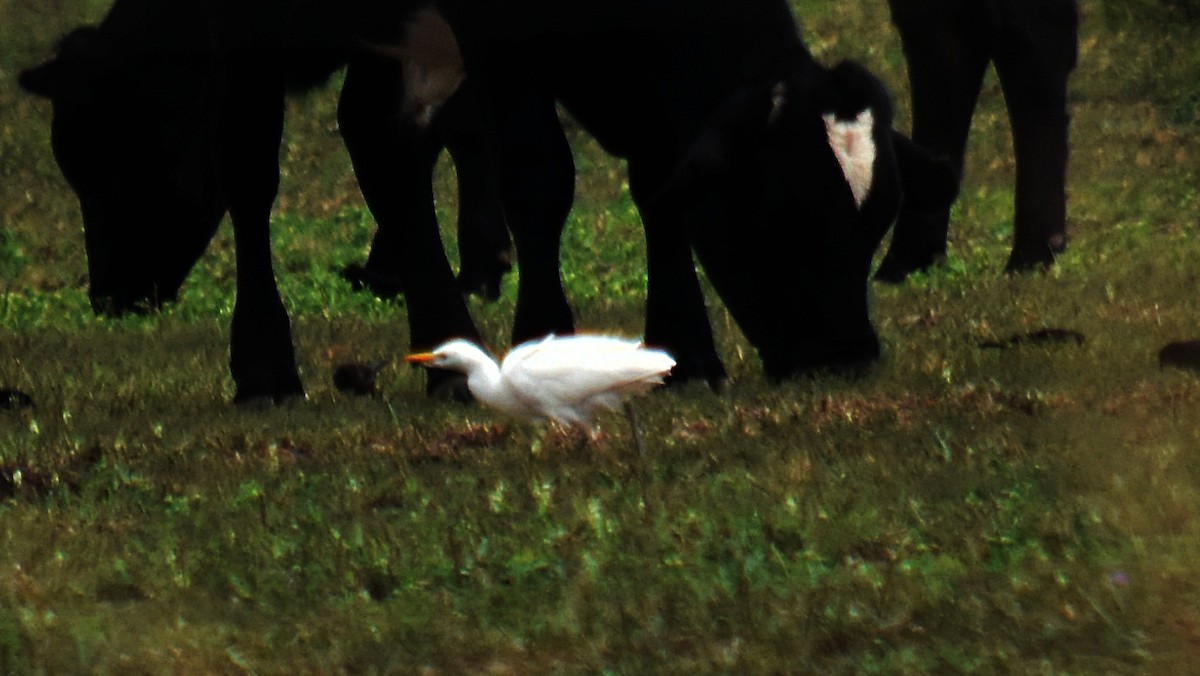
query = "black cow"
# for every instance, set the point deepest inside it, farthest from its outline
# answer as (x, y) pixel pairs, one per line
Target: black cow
(132, 133)
(948, 45)
(724, 117)
(153, 131)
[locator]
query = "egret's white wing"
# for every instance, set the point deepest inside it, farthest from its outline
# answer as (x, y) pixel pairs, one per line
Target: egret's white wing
(568, 378)
(521, 381)
(583, 365)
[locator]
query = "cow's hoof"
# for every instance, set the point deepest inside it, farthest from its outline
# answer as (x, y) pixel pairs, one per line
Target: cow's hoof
(112, 306)
(855, 364)
(263, 403)
(1036, 258)
(845, 370)
(254, 404)
(258, 399)
(1019, 263)
(720, 385)
(364, 279)
(484, 283)
(896, 268)
(851, 359)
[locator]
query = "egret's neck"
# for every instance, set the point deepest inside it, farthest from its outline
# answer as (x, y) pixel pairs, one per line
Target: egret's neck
(484, 381)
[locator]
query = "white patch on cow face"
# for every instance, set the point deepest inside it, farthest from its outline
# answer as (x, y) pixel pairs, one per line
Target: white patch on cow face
(854, 148)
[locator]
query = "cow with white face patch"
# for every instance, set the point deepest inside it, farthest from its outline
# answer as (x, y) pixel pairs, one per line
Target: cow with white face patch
(823, 156)
(780, 174)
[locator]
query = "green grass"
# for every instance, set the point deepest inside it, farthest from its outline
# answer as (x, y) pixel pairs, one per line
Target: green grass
(961, 509)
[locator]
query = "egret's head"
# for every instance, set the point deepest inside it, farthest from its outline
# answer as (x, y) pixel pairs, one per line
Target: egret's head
(456, 355)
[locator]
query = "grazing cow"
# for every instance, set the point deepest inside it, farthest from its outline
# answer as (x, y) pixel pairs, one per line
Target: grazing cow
(152, 131)
(132, 133)
(948, 45)
(781, 174)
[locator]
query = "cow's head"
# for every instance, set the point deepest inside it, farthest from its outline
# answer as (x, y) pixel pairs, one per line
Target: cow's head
(130, 136)
(786, 195)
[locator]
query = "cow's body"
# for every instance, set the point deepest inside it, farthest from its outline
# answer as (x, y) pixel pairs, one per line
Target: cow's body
(720, 110)
(948, 45)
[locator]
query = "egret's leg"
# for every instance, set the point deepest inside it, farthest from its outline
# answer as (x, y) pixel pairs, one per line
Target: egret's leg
(639, 440)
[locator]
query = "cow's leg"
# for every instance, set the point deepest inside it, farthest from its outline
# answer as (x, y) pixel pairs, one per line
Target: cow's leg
(676, 317)
(248, 127)
(393, 159)
(1035, 55)
(485, 250)
(371, 105)
(944, 47)
(537, 187)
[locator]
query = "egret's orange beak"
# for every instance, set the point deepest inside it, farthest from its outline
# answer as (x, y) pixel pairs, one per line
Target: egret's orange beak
(420, 358)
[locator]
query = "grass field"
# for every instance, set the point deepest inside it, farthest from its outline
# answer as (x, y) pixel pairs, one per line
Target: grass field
(1026, 510)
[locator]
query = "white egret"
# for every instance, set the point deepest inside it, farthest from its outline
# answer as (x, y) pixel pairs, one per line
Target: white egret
(567, 379)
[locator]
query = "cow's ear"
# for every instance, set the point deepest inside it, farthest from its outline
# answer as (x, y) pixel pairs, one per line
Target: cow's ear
(72, 74)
